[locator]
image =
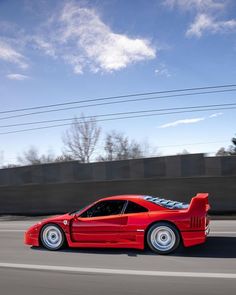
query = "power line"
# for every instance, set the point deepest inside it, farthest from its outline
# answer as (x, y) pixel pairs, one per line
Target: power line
(118, 118)
(195, 108)
(117, 102)
(119, 96)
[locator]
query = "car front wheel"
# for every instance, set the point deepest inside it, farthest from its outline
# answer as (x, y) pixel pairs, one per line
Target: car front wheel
(163, 238)
(52, 237)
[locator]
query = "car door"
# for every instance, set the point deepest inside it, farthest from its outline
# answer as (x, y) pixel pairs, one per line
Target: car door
(136, 219)
(101, 223)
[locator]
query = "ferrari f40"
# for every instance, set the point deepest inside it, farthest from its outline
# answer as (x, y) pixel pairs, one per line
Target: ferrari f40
(127, 221)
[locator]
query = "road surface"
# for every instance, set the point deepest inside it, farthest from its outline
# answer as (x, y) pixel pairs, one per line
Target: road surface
(204, 269)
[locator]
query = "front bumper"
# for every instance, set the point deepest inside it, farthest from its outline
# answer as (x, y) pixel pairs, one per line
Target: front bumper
(31, 239)
(31, 236)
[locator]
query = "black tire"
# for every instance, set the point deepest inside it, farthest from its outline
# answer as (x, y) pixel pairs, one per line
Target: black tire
(52, 237)
(163, 238)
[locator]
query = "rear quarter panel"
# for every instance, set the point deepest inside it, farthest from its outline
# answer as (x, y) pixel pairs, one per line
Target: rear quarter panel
(180, 219)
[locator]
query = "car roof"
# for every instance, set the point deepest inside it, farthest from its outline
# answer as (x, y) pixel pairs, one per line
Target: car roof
(123, 197)
(137, 199)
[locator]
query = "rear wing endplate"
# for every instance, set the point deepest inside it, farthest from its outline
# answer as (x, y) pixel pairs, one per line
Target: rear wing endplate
(199, 203)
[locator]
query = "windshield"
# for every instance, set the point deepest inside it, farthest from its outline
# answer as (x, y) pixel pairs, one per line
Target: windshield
(77, 211)
(166, 203)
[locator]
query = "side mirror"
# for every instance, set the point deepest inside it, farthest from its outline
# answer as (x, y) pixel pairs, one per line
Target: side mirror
(76, 217)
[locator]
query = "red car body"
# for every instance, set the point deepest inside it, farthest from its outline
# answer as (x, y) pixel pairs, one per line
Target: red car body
(129, 230)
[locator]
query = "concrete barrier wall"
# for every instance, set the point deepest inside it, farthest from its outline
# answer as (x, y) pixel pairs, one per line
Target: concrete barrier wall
(59, 198)
(61, 187)
(170, 167)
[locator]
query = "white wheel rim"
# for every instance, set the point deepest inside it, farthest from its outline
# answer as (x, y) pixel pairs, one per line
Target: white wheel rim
(52, 237)
(163, 238)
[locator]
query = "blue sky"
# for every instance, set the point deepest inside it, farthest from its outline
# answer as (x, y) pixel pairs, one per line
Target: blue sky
(61, 51)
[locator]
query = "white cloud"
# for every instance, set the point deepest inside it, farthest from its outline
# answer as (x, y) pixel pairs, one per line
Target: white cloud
(188, 121)
(83, 39)
(18, 77)
(205, 16)
(215, 115)
(77, 36)
(205, 23)
(162, 71)
(200, 5)
(8, 54)
(47, 47)
(182, 122)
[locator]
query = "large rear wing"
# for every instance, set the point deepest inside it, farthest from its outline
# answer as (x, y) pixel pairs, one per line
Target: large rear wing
(199, 203)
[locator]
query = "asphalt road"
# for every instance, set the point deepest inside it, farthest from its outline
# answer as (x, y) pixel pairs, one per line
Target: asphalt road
(204, 269)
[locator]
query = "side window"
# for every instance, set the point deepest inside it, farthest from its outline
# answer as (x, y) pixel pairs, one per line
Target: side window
(104, 208)
(134, 208)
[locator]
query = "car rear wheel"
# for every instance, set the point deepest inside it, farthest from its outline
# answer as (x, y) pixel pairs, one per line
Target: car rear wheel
(163, 238)
(52, 237)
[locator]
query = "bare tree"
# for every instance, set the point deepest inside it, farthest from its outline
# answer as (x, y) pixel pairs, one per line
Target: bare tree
(231, 150)
(110, 148)
(63, 158)
(81, 138)
(118, 147)
(47, 158)
(184, 152)
(222, 152)
(32, 157)
(233, 147)
(9, 166)
(29, 157)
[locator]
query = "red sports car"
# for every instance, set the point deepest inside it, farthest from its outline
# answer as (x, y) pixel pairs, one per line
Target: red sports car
(127, 221)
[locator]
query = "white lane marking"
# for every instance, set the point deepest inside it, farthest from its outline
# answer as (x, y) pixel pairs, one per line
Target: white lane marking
(2, 223)
(119, 271)
(11, 230)
(222, 232)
